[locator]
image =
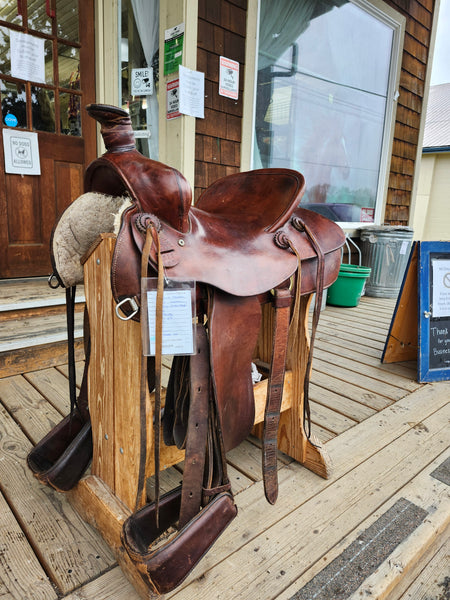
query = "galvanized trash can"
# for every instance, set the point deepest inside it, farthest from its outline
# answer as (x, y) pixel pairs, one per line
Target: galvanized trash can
(385, 249)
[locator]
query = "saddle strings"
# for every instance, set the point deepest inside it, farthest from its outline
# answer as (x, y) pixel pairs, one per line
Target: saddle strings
(295, 348)
(300, 225)
(295, 342)
(70, 316)
(151, 238)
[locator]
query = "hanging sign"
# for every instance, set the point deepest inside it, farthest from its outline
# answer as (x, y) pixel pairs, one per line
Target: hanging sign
(228, 78)
(21, 152)
(192, 92)
(142, 81)
(173, 48)
(173, 99)
(27, 57)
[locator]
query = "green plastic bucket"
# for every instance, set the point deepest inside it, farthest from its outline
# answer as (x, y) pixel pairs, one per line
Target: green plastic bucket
(348, 287)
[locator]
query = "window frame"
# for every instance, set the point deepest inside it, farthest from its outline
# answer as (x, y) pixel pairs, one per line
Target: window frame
(379, 10)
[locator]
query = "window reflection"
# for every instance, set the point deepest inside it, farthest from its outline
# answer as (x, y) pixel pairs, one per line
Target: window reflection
(68, 66)
(14, 102)
(67, 20)
(9, 12)
(70, 112)
(5, 53)
(38, 19)
(43, 109)
(48, 55)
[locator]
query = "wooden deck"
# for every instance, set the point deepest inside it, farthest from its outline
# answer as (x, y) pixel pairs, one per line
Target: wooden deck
(387, 437)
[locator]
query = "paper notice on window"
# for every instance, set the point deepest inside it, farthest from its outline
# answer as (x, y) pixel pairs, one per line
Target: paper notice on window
(177, 332)
(192, 92)
(441, 288)
(27, 57)
(142, 81)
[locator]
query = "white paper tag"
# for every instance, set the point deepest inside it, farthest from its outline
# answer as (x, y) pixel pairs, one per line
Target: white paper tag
(177, 317)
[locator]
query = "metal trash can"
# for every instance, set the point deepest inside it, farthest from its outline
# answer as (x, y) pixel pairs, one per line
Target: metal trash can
(385, 249)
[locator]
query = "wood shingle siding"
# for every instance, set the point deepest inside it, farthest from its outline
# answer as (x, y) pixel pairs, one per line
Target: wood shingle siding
(221, 32)
(419, 19)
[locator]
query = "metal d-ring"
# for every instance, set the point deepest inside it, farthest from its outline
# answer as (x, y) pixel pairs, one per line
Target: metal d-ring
(291, 285)
(134, 306)
(53, 281)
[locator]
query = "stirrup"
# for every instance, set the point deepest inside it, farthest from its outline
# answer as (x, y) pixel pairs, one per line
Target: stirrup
(165, 565)
(63, 455)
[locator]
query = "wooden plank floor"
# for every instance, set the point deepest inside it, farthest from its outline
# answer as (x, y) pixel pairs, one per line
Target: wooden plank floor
(385, 435)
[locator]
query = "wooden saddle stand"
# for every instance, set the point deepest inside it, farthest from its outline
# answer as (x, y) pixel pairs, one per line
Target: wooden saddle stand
(256, 259)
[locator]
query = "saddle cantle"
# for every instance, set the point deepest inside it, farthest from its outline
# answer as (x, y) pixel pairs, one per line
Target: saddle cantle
(245, 242)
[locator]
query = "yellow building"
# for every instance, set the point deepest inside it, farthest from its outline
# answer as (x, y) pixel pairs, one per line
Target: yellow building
(432, 210)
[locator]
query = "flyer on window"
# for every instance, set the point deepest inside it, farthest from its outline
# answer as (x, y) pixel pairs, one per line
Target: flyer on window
(27, 57)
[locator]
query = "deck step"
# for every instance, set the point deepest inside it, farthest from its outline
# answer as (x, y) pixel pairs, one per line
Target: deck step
(33, 326)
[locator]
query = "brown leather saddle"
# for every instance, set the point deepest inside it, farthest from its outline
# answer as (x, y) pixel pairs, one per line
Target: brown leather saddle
(245, 243)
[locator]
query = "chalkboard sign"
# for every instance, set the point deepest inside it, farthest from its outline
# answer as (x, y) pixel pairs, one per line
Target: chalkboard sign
(434, 311)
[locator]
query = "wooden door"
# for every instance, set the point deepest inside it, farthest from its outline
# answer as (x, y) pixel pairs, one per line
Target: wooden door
(55, 110)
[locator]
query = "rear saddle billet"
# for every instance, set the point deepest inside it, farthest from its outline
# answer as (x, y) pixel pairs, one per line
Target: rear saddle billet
(246, 242)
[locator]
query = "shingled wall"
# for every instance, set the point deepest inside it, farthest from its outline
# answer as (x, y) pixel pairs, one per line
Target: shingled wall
(419, 19)
(222, 30)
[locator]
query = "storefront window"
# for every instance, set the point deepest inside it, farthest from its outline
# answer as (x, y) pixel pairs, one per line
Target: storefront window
(324, 72)
(39, 18)
(139, 59)
(56, 104)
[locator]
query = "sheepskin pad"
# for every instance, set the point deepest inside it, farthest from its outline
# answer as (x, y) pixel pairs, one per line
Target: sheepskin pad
(77, 229)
